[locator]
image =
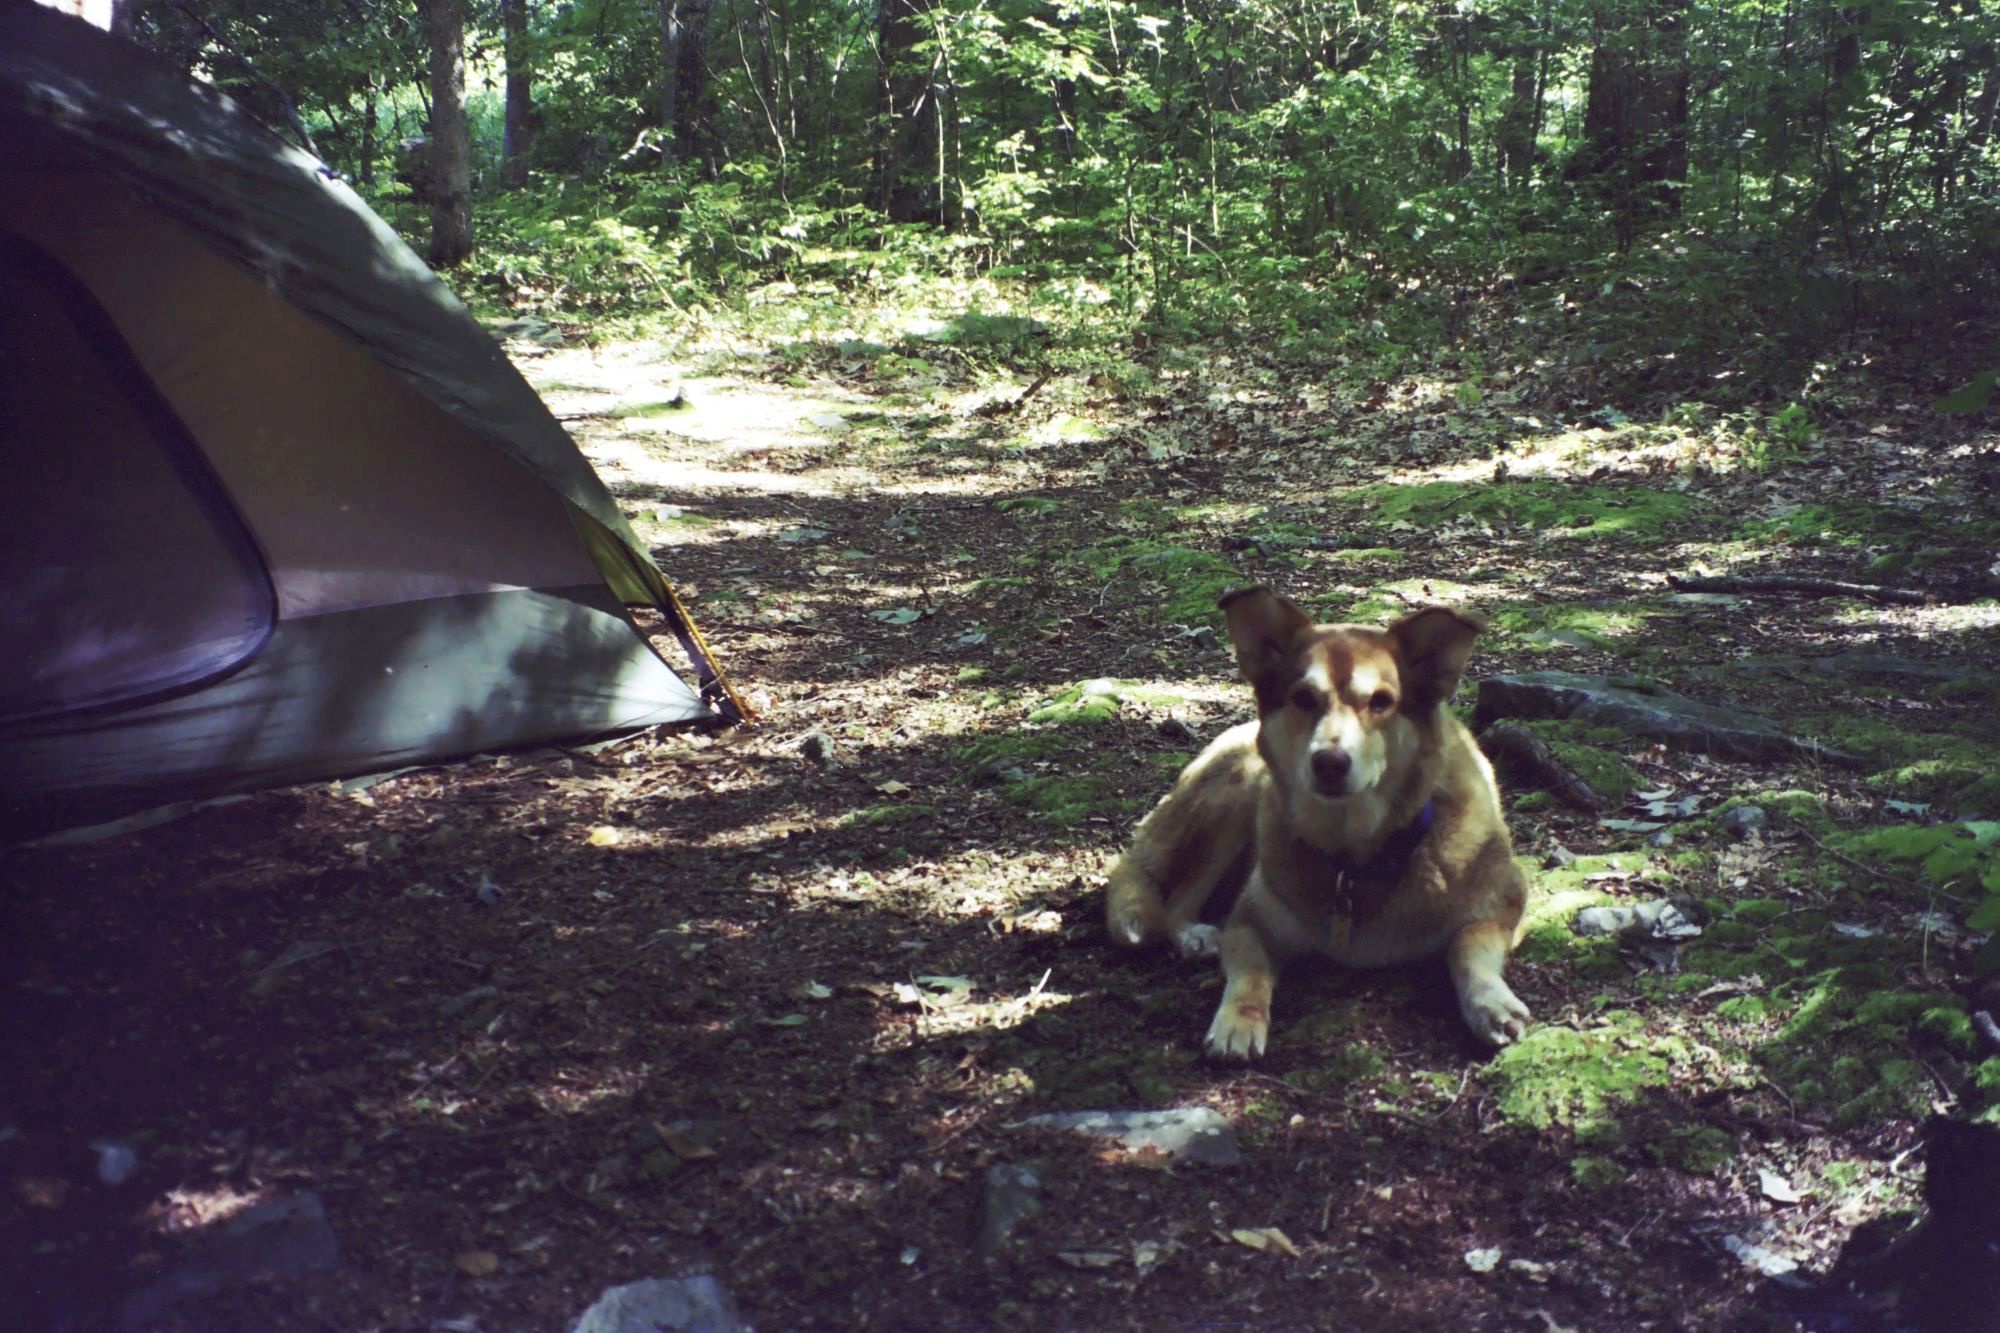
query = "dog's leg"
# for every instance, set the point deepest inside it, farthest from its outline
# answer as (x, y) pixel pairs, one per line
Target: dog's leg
(1193, 839)
(1243, 1019)
(1492, 1010)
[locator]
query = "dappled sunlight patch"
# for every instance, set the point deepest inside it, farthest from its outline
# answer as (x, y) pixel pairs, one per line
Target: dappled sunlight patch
(189, 1207)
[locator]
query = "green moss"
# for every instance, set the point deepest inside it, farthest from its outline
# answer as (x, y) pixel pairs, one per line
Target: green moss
(1849, 1039)
(886, 816)
(1180, 586)
(1101, 702)
(1855, 525)
(1350, 1064)
(1562, 510)
(1103, 1081)
(1697, 1149)
(1029, 506)
(1596, 1173)
(1556, 1076)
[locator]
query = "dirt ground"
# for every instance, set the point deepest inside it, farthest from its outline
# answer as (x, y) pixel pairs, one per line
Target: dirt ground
(769, 1003)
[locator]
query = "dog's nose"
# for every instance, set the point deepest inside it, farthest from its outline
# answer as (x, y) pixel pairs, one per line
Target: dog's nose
(1330, 769)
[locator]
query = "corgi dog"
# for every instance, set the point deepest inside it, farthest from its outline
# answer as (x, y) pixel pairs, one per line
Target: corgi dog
(1362, 812)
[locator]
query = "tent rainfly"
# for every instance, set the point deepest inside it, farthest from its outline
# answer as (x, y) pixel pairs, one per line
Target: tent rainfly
(273, 506)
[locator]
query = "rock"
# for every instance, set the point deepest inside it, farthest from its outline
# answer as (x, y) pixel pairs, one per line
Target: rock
(1558, 857)
(699, 1304)
(1013, 1195)
(1177, 731)
(283, 1239)
(1644, 710)
(817, 747)
(1741, 821)
(1664, 838)
(1760, 1260)
(1186, 1133)
(115, 1161)
(1666, 919)
(1102, 688)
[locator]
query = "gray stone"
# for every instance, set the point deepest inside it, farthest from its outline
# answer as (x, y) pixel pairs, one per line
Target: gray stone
(1186, 1133)
(1558, 857)
(699, 1304)
(283, 1239)
(1740, 821)
(1175, 730)
(817, 747)
(1643, 709)
(1013, 1195)
(1666, 919)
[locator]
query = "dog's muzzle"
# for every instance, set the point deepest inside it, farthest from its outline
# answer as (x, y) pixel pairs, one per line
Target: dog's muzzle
(1330, 770)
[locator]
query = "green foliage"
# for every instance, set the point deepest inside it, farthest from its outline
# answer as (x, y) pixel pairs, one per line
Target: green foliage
(1336, 177)
(1961, 858)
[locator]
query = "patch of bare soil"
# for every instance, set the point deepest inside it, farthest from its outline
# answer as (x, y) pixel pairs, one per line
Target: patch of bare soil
(769, 1003)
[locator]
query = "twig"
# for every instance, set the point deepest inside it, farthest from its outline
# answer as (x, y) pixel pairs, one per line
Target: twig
(1006, 409)
(1781, 583)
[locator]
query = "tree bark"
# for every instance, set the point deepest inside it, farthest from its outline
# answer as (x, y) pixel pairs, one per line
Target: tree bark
(683, 87)
(450, 145)
(1635, 120)
(906, 156)
(518, 132)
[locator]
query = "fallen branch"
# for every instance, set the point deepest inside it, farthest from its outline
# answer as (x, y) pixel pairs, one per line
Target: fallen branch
(1005, 407)
(1529, 758)
(1780, 583)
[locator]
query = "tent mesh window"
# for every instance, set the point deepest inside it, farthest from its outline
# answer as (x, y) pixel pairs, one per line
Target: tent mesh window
(131, 574)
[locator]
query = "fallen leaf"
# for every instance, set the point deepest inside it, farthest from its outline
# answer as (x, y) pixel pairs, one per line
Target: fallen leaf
(788, 1021)
(812, 990)
(1265, 1239)
(1776, 1188)
(892, 787)
(1483, 1261)
(1089, 1258)
(605, 836)
(478, 1263)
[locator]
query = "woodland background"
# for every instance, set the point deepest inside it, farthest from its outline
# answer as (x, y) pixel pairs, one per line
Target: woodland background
(1773, 175)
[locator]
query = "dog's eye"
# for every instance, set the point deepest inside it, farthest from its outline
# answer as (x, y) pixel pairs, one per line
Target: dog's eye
(1305, 700)
(1381, 701)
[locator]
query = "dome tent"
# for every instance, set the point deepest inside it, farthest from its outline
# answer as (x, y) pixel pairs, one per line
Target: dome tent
(273, 506)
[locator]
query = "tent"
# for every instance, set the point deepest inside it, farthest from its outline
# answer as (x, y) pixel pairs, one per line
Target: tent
(273, 506)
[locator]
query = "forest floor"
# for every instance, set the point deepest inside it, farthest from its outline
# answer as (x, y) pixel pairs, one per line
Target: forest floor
(770, 1003)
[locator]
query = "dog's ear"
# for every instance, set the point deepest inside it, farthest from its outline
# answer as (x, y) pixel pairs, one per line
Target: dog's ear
(1433, 646)
(1262, 625)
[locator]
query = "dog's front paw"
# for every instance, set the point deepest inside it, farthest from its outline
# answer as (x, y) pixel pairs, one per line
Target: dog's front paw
(1198, 941)
(1494, 1013)
(1238, 1031)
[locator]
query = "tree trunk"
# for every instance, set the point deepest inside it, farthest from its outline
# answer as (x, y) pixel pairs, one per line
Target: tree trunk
(683, 86)
(1635, 120)
(906, 159)
(450, 146)
(518, 133)
(368, 146)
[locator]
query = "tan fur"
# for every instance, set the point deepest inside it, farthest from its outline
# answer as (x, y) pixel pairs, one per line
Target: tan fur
(1370, 701)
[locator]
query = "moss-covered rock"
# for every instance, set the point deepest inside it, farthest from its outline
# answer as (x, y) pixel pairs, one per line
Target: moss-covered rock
(1579, 1080)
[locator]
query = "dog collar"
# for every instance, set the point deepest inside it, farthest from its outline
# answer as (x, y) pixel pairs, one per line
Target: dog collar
(1360, 891)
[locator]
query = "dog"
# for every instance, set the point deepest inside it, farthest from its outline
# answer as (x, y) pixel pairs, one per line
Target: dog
(1362, 812)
